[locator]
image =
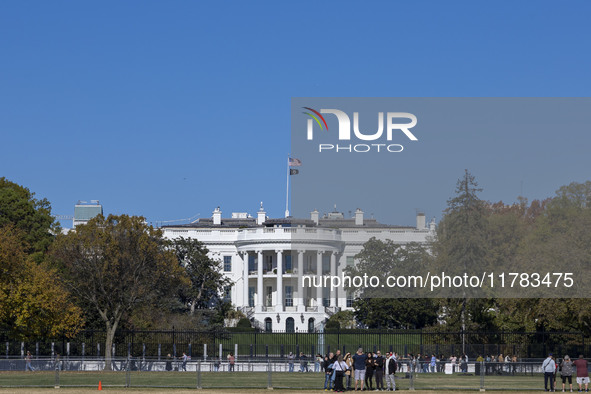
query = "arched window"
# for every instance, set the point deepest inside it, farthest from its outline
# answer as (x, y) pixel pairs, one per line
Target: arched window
(311, 324)
(289, 325)
(268, 324)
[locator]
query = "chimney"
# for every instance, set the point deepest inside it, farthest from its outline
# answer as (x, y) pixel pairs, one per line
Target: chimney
(314, 215)
(358, 217)
(421, 221)
(217, 216)
(261, 215)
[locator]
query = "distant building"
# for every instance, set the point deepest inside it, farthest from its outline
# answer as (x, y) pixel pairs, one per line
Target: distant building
(84, 211)
(265, 259)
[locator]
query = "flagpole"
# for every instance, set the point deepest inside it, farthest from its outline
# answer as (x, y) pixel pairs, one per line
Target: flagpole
(287, 190)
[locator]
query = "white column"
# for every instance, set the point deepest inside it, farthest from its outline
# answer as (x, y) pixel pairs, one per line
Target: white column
(259, 304)
(319, 274)
(333, 272)
(341, 293)
(245, 277)
(279, 303)
(300, 298)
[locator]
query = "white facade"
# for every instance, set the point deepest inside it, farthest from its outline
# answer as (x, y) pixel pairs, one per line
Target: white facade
(270, 293)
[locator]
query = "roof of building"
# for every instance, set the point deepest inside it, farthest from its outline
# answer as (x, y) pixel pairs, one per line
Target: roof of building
(226, 222)
(251, 222)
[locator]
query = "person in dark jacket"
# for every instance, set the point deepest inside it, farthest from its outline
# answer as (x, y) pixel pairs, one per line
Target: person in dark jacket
(327, 366)
(370, 367)
(303, 362)
(379, 370)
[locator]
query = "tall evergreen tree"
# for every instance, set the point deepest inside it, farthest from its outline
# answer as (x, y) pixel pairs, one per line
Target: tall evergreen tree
(461, 247)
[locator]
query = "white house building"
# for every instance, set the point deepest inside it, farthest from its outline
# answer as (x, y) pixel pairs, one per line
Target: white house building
(266, 258)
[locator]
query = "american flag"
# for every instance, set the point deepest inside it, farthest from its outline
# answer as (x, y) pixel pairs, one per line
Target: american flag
(294, 162)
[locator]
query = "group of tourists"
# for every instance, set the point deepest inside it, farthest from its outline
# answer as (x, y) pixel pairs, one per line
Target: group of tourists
(359, 370)
(303, 362)
(566, 368)
(431, 363)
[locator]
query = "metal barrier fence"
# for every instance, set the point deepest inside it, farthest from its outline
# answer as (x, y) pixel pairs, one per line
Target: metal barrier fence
(254, 344)
(131, 372)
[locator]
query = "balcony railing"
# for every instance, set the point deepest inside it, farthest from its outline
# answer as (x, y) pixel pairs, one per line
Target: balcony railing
(289, 233)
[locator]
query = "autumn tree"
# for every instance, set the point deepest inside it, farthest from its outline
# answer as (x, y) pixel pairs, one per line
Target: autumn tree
(117, 264)
(33, 302)
(560, 242)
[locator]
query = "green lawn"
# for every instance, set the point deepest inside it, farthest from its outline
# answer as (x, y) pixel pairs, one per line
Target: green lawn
(254, 380)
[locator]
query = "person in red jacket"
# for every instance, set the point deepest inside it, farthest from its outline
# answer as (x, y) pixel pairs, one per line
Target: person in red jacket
(582, 373)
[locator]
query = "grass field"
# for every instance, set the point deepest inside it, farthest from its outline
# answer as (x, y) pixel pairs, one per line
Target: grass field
(257, 381)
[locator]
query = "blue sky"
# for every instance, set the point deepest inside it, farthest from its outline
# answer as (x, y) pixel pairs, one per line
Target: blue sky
(169, 109)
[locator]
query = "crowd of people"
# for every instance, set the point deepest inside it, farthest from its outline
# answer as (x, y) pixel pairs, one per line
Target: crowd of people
(358, 371)
(369, 371)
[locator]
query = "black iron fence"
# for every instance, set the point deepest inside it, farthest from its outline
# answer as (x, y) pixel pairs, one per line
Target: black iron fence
(261, 374)
(254, 344)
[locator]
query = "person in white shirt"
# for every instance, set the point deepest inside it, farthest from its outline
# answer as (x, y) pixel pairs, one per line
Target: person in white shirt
(389, 371)
(549, 367)
(339, 368)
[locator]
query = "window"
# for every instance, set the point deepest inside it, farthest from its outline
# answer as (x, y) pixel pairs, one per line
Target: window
(350, 261)
(288, 296)
(290, 324)
(269, 298)
(251, 292)
(309, 265)
(227, 263)
(325, 264)
(311, 324)
(326, 296)
(252, 263)
(268, 263)
(268, 324)
(349, 299)
(228, 293)
(288, 267)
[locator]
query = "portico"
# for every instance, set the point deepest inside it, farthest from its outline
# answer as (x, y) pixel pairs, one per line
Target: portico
(274, 260)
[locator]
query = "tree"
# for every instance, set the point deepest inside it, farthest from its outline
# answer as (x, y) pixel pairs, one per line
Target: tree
(33, 302)
(461, 242)
(31, 216)
(396, 312)
(383, 259)
(559, 242)
(575, 194)
(207, 281)
(116, 265)
(391, 307)
(244, 323)
(461, 246)
(342, 319)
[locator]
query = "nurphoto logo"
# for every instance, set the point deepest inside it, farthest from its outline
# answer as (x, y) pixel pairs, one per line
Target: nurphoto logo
(392, 127)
